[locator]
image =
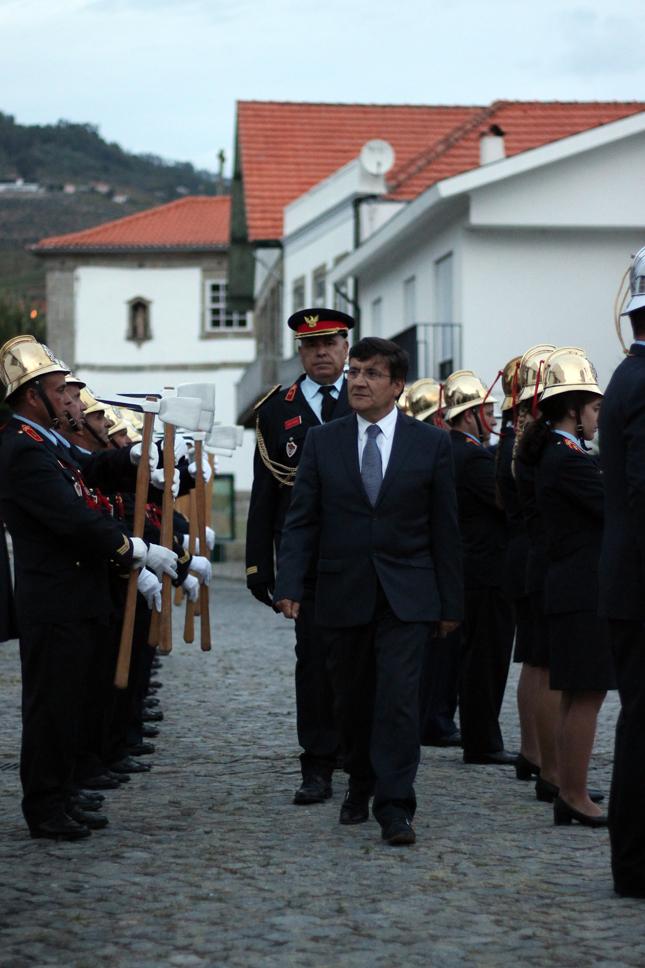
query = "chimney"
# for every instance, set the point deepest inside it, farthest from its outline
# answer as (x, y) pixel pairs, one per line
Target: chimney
(491, 145)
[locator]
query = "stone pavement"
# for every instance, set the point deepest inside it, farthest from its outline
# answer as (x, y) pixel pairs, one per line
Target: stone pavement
(207, 863)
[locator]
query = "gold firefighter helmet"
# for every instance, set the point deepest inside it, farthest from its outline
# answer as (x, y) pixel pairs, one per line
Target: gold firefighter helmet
(511, 383)
(72, 380)
(568, 369)
(134, 423)
(636, 284)
(424, 397)
(92, 405)
(22, 359)
(117, 423)
(462, 390)
(531, 364)
(402, 402)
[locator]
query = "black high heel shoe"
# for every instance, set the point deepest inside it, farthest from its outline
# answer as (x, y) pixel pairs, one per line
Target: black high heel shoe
(564, 814)
(547, 792)
(524, 769)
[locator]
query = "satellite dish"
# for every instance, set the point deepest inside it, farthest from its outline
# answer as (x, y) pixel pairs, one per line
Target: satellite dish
(377, 156)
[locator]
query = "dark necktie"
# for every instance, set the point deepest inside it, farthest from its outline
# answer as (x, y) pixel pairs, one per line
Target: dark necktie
(371, 465)
(328, 403)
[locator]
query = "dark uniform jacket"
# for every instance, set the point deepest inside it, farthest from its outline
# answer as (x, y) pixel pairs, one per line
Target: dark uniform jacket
(536, 560)
(283, 421)
(514, 575)
(408, 541)
(62, 546)
(481, 521)
(569, 494)
(622, 456)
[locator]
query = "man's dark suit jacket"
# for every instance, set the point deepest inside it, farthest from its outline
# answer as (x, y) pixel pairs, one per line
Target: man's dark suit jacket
(409, 541)
(622, 457)
(284, 418)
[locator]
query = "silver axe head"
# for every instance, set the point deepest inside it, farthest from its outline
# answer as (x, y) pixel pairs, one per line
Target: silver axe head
(226, 438)
(179, 411)
(206, 393)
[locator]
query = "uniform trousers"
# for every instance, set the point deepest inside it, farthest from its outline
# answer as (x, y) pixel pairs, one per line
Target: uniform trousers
(487, 644)
(55, 661)
(627, 797)
(375, 671)
(317, 732)
(439, 688)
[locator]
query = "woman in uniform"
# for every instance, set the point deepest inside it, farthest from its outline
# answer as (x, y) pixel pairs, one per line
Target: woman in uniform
(569, 497)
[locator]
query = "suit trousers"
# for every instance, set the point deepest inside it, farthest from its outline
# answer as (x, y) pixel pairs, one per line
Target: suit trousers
(55, 662)
(376, 670)
(627, 797)
(487, 644)
(439, 688)
(317, 732)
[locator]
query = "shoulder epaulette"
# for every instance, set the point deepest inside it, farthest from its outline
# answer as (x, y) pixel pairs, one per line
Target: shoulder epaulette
(267, 396)
(291, 392)
(26, 429)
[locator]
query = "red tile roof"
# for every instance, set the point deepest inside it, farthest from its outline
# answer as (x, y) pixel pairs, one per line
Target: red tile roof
(285, 148)
(526, 125)
(196, 222)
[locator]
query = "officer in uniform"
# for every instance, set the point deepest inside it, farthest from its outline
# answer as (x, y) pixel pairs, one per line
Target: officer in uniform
(63, 550)
(622, 581)
(488, 627)
(282, 421)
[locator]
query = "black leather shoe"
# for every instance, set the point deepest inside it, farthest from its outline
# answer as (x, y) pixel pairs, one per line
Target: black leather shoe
(83, 803)
(60, 827)
(151, 701)
(399, 832)
(564, 814)
(155, 684)
(628, 889)
(102, 782)
(498, 758)
(547, 792)
(524, 769)
(355, 807)
(313, 789)
(149, 732)
(454, 739)
(152, 715)
(91, 820)
(128, 765)
(140, 749)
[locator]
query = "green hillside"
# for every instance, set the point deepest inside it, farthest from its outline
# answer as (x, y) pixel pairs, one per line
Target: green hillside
(61, 154)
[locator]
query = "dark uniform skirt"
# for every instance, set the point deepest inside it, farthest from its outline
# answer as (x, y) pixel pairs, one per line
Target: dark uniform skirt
(579, 655)
(538, 632)
(523, 630)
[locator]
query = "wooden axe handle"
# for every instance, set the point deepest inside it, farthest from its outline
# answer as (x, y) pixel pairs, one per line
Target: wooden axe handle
(167, 509)
(140, 499)
(189, 621)
(200, 497)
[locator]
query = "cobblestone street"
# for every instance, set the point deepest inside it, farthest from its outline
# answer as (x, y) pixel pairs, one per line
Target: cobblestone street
(207, 863)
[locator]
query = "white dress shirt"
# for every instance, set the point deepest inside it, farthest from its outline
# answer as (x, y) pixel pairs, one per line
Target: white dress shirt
(314, 398)
(384, 439)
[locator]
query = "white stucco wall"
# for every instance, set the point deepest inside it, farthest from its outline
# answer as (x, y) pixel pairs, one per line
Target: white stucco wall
(177, 352)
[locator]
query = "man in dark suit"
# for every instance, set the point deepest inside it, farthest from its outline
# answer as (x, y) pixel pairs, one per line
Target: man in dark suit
(487, 638)
(283, 419)
(374, 510)
(622, 584)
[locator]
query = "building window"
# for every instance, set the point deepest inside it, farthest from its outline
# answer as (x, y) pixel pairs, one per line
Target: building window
(377, 316)
(139, 320)
(319, 286)
(218, 318)
(410, 301)
(340, 297)
(298, 294)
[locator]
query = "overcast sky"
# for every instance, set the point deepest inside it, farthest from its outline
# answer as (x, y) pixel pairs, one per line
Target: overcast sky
(162, 76)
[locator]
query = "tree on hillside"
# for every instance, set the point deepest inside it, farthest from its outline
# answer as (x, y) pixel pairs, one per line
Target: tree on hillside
(15, 319)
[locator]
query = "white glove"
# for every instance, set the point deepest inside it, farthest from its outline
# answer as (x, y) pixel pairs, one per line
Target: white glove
(150, 587)
(185, 540)
(139, 552)
(191, 586)
(210, 538)
(157, 480)
(206, 469)
(153, 455)
(181, 449)
(202, 568)
(162, 561)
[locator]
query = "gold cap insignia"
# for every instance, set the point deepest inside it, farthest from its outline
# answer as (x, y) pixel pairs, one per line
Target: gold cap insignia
(312, 320)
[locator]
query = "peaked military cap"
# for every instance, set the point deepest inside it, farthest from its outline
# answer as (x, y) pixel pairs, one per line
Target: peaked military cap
(319, 322)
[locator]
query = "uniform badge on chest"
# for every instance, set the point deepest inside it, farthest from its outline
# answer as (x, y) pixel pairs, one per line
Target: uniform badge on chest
(292, 447)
